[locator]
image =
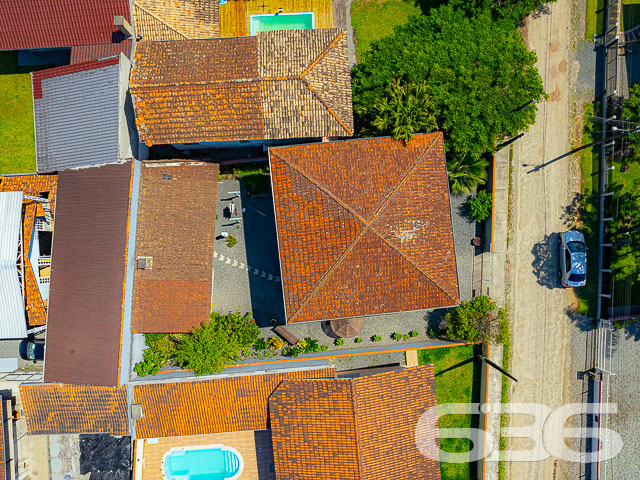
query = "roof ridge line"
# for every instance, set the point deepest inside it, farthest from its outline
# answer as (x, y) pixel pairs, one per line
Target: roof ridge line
(354, 403)
(321, 56)
(136, 4)
(402, 181)
(346, 251)
(214, 82)
(411, 262)
(325, 105)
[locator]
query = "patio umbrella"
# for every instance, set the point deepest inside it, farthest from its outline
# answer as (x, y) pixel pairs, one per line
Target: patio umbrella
(346, 328)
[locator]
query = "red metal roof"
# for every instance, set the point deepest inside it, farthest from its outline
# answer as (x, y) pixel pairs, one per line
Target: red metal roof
(37, 77)
(55, 23)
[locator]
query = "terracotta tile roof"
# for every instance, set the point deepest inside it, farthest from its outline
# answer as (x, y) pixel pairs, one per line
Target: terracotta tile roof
(84, 53)
(176, 227)
(34, 185)
(87, 275)
(37, 77)
(361, 428)
(52, 23)
(196, 407)
(175, 19)
(59, 409)
(284, 84)
(364, 227)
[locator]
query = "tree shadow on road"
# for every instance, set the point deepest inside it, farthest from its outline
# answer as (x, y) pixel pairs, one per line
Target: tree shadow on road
(545, 263)
(572, 213)
(583, 322)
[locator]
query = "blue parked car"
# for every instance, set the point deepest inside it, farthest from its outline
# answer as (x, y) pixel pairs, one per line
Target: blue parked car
(31, 349)
(573, 259)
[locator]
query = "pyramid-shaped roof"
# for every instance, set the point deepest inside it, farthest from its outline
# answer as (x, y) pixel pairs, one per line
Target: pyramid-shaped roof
(364, 227)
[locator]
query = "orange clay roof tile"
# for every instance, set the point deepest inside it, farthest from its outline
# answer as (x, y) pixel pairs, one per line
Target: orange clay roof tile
(176, 19)
(361, 428)
(59, 408)
(283, 84)
(364, 227)
(196, 407)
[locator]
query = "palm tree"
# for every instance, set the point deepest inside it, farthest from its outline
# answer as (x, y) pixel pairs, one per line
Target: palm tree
(465, 174)
(407, 109)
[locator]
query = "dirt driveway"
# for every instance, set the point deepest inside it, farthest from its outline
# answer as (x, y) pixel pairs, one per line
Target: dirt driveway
(542, 186)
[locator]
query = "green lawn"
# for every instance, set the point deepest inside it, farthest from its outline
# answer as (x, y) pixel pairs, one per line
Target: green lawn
(17, 143)
(457, 381)
(595, 18)
(630, 14)
(589, 158)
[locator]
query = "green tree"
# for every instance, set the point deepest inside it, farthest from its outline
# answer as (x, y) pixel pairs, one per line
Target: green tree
(513, 10)
(472, 321)
(216, 343)
(479, 72)
(480, 206)
(465, 175)
(406, 109)
(631, 112)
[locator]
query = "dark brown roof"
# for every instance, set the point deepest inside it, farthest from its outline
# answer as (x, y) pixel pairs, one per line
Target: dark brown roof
(352, 429)
(176, 227)
(283, 84)
(197, 407)
(58, 409)
(364, 227)
(84, 53)
(84, 327)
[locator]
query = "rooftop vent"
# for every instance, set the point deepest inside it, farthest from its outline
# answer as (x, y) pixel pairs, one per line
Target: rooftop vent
(167, 176)
(145, 263)
(122, 24)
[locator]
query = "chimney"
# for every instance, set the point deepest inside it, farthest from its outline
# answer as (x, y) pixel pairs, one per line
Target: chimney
(123, 25)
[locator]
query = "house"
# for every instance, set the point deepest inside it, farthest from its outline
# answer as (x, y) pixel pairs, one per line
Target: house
(364, 227)
(27, 203)
(175, 20)
(293, 424)
(133, 252)
(82, 114)
(281, 85)
(73, 31)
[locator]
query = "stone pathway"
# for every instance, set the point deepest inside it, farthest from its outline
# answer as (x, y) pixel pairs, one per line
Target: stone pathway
(242, 266)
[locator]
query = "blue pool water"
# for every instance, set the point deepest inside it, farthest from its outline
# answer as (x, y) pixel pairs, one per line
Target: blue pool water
(281, 21)
(201, 464)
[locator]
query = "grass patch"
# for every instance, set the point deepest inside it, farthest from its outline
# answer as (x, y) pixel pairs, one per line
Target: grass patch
(17, 139)
(457, 377)
(372, 20)
(630, 14)
(589, 159)
(595, 18)
(254, 176)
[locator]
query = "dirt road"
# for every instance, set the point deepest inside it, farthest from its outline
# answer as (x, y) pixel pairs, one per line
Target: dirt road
(542, 186)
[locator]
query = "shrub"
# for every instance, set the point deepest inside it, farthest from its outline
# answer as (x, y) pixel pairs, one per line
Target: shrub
(291, 351)
(339, 341)
(480, 206)
(358, 340)
(231, 241)
(406, 336)
(276, 343)
(433, 333)
(216, 343)
(478, 320)
(157, 354)
(413, 333)
(376, 338)
(260, 345)
(324, 348)
(396, 336)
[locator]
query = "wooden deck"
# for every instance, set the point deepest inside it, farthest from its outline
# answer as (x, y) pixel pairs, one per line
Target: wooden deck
(255, 447)
(235, 14)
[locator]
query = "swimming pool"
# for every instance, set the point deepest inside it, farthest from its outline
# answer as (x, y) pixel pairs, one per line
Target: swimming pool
(207, 462)
(281, 21)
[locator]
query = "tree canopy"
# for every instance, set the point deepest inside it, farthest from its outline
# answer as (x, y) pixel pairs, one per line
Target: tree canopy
(478, 71)
(507, 9)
